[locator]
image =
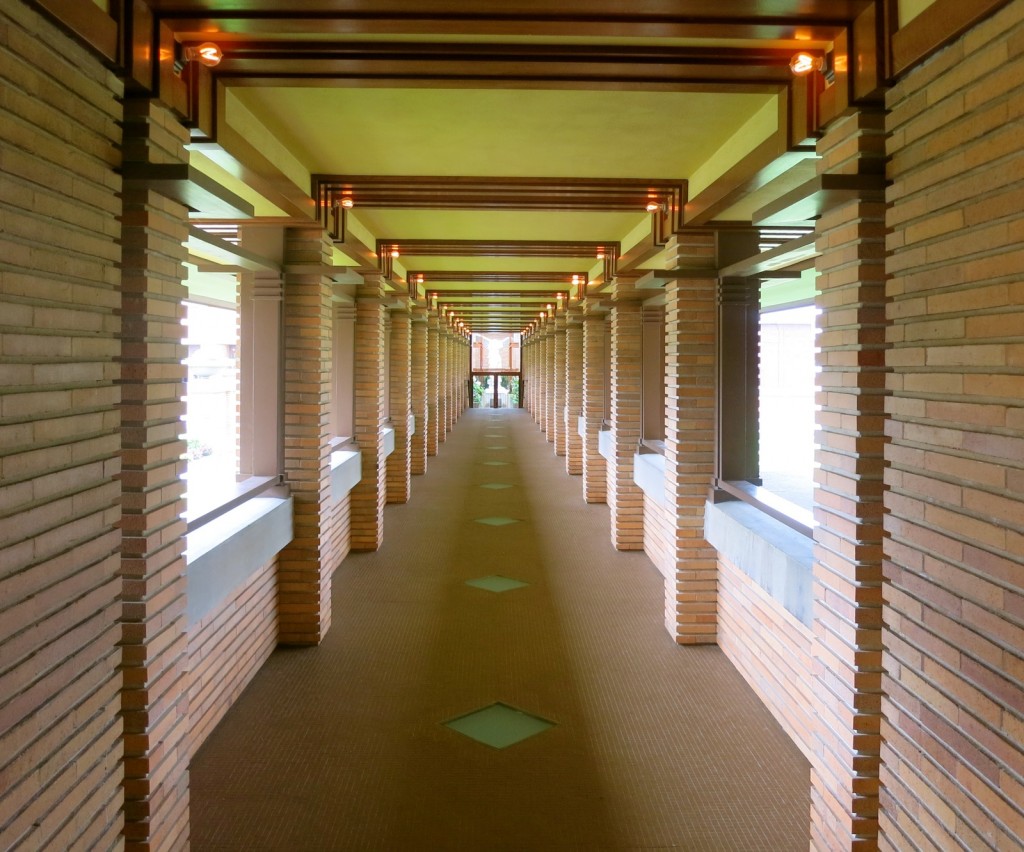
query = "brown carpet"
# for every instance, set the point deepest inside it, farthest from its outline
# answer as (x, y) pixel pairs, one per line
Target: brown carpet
(342, 747)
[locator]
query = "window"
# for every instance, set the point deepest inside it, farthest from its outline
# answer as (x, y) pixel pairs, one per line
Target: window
(786, 410)
(211, 389)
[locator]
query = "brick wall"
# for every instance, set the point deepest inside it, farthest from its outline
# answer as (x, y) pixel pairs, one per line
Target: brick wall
(558, 424)
(953, 765)
(770, 648)
(227, 648)
(419, 397)
(59, 445)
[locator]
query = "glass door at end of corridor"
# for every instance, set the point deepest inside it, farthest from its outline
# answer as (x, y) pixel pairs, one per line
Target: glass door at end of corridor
(496, 390)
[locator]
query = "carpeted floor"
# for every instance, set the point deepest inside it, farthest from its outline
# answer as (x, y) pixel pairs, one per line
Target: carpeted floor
(653, 746)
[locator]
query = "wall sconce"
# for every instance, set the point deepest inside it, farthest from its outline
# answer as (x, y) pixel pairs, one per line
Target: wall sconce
(395, 252)
(652, 207)
(804, 62)
(207, 54)
(347, 203)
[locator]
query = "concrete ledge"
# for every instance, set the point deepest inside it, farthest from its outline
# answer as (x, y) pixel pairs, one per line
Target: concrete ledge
(389, 440)
(649, 474)
(776, 557)
(346, 471)
(410, 425)
(222, 554)
(604, 443)
(581, 427)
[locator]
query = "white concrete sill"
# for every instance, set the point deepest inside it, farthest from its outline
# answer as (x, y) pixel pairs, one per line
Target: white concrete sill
(346, 471)
(776, 557)
(389, 440)
(223, 553)
(581, 427)
(604, 443)
(649, 474)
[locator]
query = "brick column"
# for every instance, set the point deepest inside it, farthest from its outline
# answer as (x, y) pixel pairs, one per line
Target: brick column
(399, 462)
(449, 395)
(418, 379)
(691, 590)
(625, 499)
(305, 566)
(549, 381)
(435, 410)
(153, 640)
(371, 361)
(442, 382)
(848, 508)
(595, 473)
(558, 387)
(573, 393)
(529, 349)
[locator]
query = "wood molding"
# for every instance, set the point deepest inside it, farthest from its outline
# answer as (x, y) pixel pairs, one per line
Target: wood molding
(87, 23)
(934, 28)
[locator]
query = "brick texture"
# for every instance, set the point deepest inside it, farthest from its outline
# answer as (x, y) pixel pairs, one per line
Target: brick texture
(419, 395)
(691, 599)
(953, 764)
(558, 414)
(400, 358)
(848, 502)
(60, 728)
(154, 644)
(434, 408)
(305, 566)
(573, 394)
(595, 475)
(368, 497)
(625, 499)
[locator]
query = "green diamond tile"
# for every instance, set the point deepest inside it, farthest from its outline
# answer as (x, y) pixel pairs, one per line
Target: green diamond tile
(499, 725)
(497, 447)
(496, 522)
(495, 463)
(496, 583)
(495, 486)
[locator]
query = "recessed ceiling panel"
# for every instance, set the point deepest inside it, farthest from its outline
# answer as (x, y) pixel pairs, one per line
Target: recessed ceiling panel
(506, 132)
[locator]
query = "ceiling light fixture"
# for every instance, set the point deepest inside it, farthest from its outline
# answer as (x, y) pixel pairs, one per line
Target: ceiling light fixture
(395, 252)
(347, 203)
(653, 206)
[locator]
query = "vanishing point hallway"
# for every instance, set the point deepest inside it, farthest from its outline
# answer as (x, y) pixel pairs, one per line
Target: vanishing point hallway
(649, 746)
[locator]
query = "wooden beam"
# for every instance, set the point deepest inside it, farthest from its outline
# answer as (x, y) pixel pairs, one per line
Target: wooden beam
(186, 184)
(813, 198)
(935, 27)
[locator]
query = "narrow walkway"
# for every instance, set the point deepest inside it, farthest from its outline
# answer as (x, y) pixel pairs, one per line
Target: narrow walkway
(653, 746)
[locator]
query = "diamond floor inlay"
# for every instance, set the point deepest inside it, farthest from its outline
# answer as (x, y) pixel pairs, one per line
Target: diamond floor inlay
(499, 725)
(496, 583)
(496, 522)
(497, 447)
(496, 486)
(495, 463)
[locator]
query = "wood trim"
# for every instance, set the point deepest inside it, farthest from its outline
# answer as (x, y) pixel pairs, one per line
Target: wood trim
(87, 23)
(934, 28)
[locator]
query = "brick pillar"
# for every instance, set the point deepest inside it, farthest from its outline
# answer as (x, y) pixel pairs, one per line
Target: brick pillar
(371, 361)
(558, 387)
(625, 499)
(595, 473)
(306, 564)
(435, 409)
(418, 379)
(399, 462)
(529, 348)
(573, 393)
(848, 507)
(442, 383)
(153, 637)
(691, 591)
(549, 381)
